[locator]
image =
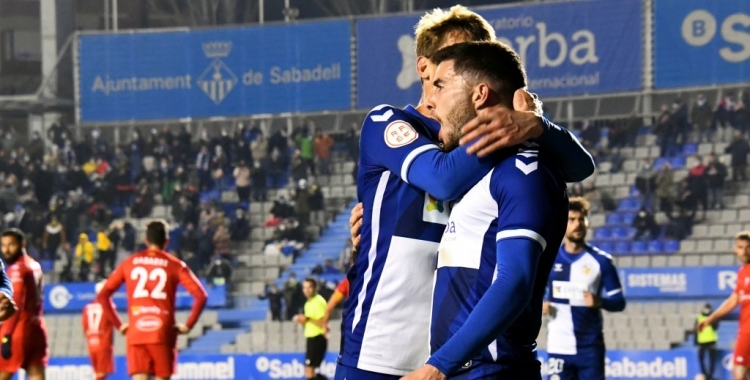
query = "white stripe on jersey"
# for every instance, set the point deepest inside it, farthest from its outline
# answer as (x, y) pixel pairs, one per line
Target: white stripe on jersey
(379, 193)
(560, 336)
(507, 234)
(410, 157)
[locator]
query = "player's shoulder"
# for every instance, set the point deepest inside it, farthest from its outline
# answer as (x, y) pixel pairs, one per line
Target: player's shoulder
(385, 114)
(520, 167)
(599, 254)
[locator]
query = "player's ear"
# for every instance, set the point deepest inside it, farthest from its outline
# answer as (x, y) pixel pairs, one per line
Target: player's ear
(423, 65)
(480, 96)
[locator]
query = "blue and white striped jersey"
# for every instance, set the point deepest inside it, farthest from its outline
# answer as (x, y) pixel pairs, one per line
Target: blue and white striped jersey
(386, 317)
(522, 199)
(573, 326)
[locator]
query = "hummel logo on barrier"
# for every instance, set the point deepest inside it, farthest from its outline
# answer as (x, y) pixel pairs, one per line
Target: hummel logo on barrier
(217, 80)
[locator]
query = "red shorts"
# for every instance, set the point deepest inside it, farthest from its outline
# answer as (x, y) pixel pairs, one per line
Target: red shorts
(102, 361)
(154, 359)
(742, 350)
(28, 349)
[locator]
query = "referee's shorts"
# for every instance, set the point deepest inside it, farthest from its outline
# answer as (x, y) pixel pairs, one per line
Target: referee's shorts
(316, 351)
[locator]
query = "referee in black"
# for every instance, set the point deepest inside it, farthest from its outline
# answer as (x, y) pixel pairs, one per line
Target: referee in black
(314, 322)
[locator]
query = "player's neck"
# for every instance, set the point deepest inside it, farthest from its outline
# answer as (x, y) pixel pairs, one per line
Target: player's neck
(574, 248)
(152, 247)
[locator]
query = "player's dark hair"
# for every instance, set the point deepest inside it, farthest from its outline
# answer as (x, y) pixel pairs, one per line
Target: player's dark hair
(313, 282)
(157, 233)
(16, 234)
(579, 204)
(493, 63)
(744, 235)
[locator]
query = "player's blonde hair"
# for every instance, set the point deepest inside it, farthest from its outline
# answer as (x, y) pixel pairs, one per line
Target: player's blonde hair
(435, 27)
(579, 204)
(743, 235)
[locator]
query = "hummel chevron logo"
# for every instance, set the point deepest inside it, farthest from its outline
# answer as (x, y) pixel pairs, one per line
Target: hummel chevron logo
(383, 117)
(526, 169)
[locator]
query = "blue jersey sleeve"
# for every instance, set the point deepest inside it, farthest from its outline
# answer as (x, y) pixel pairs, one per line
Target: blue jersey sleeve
(391, 140)
(611, 289)
(531, 206)
(6, 287)
(575, 161)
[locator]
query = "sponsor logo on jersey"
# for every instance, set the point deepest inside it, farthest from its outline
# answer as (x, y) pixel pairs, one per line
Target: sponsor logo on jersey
(148, 324)
(139, 310)
(558, 267)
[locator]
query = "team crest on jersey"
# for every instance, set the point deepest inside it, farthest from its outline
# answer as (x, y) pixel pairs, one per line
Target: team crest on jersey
(399, 133)
(586, 269)
(435, 211)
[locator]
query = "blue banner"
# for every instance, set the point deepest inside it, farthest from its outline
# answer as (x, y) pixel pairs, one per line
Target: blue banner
(569, 48)
(678, 282)
(217, 72)
(68, 297)
(620, 365)
(701, 42)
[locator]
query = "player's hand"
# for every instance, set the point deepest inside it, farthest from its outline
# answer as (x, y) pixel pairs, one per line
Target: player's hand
(499, 127)
(590, 300)
(5, 347)
(124, 328)
(355, 224)
(182, 328)
(7, 307)
(427, 372)
(300, 318)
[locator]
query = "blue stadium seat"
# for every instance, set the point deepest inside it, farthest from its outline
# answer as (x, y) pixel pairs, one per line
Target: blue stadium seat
(623, 233)
(644, 130)
(628, 218)
(690, 149)
(660, 161)
(638, 247)
(606, 246)
(622, 247)
(672, 246)
(655, 246)
(602, 233)
(47, 265)
(628, 204)
(677, 162)
(614, 218)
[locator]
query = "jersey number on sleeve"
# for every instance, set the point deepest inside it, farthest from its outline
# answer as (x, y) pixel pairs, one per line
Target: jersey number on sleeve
(141, 275)
(94, 315)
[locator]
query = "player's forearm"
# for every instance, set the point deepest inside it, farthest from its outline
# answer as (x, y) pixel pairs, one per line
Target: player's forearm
(726, 307)
(200, 303)
(614, 303)
(447, 176)
(105, 299)
(576, 162)
(500, 306)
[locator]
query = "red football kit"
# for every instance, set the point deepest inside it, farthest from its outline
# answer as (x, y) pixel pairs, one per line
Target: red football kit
(742, 348)
(99, 339)
(343, 287)
(151, 278)
(26, 327)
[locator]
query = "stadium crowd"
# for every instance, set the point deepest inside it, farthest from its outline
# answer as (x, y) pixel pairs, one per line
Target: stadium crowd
(67, 194)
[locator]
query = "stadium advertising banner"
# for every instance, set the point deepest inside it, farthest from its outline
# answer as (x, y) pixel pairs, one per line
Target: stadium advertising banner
(569, 48)
(217, 72)
(67, 297)
(620, 365)
(701, 42)
(678, 281)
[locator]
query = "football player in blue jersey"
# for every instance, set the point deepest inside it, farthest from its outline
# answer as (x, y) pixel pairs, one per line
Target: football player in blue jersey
(404, 182)
(583, 281)
(502, 236)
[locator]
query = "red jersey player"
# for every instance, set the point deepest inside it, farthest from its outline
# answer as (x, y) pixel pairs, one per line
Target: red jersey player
(740, 296)
(151, 278)
(24, 336)
(98, 332)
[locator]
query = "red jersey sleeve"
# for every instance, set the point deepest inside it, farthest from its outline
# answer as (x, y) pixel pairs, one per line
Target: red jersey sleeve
(104, 298)
(194, 287)
(343, 287)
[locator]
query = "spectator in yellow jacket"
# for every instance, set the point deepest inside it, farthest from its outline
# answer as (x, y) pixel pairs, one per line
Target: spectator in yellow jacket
(85, 255)
(106, 253)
